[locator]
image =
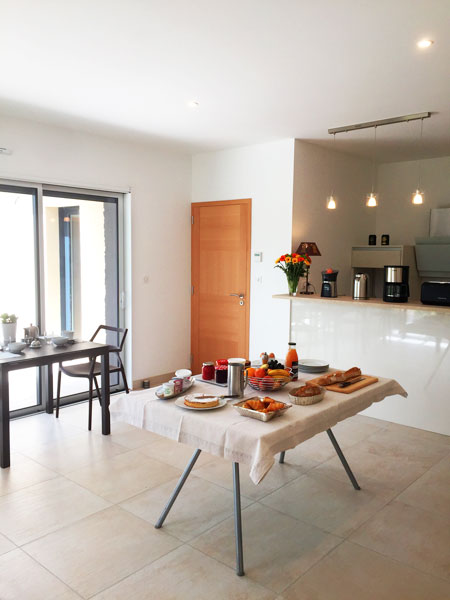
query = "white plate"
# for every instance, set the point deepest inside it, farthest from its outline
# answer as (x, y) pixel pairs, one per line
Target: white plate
(181, 404)
(313, 363)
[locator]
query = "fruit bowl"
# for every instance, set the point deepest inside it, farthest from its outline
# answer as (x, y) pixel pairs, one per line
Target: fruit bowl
(268, 384)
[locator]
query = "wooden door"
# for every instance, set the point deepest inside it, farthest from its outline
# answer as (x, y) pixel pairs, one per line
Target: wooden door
(221, 234)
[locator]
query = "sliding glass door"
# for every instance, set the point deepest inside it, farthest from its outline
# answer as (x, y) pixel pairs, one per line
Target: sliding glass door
(70, 278)
(19, 290)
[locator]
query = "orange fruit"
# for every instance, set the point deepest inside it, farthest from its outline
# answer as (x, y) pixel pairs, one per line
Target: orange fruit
(251, 372)
(260, 372)
(271, 355)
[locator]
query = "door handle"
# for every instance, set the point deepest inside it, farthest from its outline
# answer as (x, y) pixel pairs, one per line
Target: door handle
(241, 296)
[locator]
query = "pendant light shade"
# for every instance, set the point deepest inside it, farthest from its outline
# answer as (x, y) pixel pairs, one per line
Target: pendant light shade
(331, 200)
(331, 203)
(371, 200)
(418, 195)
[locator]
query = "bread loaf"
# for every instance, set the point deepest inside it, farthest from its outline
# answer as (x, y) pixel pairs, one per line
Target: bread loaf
(339, 376)
(306, 390)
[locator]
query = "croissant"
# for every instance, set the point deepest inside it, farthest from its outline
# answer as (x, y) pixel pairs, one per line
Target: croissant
(254, 405)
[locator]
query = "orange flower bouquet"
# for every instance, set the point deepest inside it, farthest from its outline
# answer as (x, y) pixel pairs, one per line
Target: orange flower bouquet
(294, 266)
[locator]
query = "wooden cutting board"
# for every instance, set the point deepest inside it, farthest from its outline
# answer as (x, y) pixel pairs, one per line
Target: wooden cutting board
(368, 380)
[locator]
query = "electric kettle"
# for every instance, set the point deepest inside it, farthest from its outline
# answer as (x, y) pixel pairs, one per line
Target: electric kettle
(361, 286)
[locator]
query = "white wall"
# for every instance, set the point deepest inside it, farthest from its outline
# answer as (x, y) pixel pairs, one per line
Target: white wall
(334, 231)
(396, 215)
(263, 173)
(159, 181)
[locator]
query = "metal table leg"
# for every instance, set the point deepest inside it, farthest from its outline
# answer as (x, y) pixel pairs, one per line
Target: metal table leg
(106, 419)
(4, 419)
(238, 520)
(47, 387)
(177, 489)
(282, 455)
(343, 459)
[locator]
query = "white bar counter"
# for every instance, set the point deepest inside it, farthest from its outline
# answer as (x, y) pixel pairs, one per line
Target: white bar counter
(409, 342)
(411, 304)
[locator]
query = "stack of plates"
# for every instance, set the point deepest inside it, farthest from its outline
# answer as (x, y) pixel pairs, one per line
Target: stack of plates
(311, 365)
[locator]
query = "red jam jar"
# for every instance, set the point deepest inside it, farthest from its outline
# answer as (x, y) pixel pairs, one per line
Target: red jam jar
(208, 371)
(222, 370)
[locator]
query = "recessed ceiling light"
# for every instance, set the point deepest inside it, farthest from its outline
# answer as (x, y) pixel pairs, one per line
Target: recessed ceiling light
(425, 43)
(193, 104)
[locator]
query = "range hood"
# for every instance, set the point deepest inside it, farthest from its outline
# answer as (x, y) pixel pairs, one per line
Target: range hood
(433, 256)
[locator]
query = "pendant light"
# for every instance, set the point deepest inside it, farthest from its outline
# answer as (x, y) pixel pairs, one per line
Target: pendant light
(371, 199)
(331, 200)
(417, 197)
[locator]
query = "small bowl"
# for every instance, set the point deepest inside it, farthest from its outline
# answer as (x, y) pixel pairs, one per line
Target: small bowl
(60, 341)
(16, 347)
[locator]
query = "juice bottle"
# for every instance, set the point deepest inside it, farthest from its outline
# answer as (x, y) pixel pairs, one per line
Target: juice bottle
(292, 360)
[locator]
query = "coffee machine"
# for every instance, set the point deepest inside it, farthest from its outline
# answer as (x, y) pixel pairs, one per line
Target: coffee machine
(396, 283)
(329, 283)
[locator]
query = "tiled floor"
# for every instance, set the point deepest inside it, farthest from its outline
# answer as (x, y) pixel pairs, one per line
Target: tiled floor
(77, 511)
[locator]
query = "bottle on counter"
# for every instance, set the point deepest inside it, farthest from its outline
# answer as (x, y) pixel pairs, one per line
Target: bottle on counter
(291, 361)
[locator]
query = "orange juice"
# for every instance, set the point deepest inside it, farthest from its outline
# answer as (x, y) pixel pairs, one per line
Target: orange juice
(291, 361)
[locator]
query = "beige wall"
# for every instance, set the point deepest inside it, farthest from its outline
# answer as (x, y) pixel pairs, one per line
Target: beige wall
(396, 215)
(334, 231)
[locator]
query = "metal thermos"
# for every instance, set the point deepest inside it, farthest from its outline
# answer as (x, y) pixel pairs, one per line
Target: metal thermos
(361, 286)
(237, 381)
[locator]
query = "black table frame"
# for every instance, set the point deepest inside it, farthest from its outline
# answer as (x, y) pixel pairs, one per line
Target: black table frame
(45, 358)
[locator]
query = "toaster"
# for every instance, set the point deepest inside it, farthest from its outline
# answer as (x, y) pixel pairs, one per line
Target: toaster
(435, 292)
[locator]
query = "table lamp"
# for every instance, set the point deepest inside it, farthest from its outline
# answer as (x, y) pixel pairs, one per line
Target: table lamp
(311, 249)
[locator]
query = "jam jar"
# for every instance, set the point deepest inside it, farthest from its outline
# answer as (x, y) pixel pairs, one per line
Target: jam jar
(208, 371)
(222, 370)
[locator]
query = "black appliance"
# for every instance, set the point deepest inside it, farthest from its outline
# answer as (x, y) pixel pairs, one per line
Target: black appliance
(329, 283)
(396, 283)
(435, 292)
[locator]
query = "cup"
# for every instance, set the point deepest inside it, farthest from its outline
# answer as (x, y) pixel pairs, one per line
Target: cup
(168, 388)
(67, 334)
(184, 374)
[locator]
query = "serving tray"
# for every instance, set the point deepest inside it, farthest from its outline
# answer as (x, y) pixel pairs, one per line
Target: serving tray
(254, 414)
(159, 392)
(353, 387)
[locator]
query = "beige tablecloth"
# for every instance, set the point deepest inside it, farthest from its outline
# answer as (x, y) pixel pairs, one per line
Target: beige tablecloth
(225, 433)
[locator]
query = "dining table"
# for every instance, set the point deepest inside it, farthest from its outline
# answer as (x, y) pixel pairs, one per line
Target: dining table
(45, 357)
(225, 433)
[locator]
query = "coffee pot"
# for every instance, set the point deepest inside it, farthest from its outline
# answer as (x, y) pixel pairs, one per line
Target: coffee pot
(237, 378)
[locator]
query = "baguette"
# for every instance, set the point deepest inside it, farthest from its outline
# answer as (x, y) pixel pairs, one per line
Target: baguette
(339, 376)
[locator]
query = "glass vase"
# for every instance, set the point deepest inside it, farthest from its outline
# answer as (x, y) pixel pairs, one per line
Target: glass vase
(292, 285)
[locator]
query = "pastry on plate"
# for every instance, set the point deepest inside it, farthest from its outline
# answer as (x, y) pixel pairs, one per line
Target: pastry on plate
(200, 402)
(306, 390)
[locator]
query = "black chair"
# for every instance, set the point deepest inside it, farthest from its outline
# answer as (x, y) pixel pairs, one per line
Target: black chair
(92, 370)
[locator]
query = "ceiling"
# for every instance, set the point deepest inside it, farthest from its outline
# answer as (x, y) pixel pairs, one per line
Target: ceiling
(261, 70)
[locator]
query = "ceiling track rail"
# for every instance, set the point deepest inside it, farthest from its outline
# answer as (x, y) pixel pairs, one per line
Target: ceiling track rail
(369, 124)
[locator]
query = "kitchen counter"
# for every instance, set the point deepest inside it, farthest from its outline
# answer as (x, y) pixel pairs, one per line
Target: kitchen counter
(411, 305)
(410, 343)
